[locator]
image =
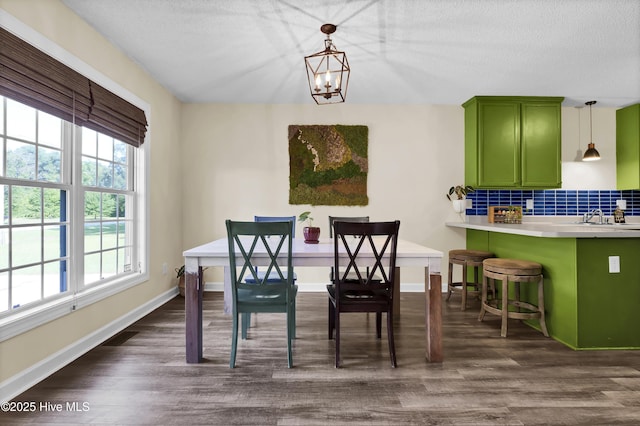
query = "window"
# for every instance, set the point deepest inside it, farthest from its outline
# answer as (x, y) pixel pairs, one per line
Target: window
(108, 201)
(69, 201)
(75, 202)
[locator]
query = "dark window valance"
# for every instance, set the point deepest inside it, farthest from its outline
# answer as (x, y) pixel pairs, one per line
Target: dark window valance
(113, 116)
(32, 77)
(29, 76)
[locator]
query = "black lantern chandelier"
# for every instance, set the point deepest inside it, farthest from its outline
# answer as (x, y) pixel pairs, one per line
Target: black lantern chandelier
(328, 71)
(591, 154)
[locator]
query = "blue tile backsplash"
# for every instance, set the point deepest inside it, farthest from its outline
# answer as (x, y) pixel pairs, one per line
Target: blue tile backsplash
(554, 202)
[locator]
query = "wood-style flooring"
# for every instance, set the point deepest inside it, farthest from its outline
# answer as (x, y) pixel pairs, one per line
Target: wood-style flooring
(140, 376)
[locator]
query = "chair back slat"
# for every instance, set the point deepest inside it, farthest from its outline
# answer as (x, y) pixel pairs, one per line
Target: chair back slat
(371, 258)
(273, 241)
(291, 219)
(333, 219)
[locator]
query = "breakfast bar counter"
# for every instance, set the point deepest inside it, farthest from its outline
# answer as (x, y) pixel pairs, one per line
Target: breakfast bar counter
(566, 228)
(591, 275)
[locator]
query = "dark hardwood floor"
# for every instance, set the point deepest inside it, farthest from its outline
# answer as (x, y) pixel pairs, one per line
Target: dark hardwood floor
(140, 376)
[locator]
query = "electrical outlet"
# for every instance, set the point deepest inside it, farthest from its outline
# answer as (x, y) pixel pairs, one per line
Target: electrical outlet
(165, 268)
(529, 205)
(614, 264)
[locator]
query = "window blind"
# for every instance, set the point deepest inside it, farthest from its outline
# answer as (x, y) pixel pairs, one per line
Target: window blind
(113, 116)
(34, 78)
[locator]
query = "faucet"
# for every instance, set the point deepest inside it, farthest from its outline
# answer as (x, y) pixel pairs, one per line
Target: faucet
(588, 216)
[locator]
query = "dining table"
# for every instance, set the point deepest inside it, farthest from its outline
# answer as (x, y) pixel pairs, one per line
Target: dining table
(216, 254)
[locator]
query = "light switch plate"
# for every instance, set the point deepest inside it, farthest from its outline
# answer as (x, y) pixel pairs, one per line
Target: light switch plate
(614, 264)
(529, 204)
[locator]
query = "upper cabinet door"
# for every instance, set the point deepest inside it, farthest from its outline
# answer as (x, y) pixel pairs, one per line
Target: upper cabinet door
(541, 147)
(513, 142)
(499, 145)
(628, 147)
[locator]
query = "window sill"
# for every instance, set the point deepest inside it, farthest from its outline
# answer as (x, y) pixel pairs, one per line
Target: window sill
(22, 322)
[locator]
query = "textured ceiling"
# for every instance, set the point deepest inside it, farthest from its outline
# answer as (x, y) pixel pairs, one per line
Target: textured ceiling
(400, 51)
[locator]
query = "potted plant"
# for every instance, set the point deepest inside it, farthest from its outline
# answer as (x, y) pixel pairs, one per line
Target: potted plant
(460, 192)
(311, 233)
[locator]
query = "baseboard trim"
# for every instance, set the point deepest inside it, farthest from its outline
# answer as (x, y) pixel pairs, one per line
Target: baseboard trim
(29, 377)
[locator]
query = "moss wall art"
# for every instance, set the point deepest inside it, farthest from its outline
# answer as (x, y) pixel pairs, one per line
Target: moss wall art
(328, 165)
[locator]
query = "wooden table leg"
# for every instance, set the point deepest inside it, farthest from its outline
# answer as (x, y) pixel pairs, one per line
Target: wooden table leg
(193, 315)
(433, 316)
(396, 295)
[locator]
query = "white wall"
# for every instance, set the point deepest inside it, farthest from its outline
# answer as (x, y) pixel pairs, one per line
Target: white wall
(577, 174)
(236, 165)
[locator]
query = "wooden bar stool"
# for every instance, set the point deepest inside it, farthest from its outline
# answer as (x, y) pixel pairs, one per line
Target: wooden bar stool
(515, 271)
(466, 258)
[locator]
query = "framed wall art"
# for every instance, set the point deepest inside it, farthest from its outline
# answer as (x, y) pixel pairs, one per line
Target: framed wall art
(328, 165)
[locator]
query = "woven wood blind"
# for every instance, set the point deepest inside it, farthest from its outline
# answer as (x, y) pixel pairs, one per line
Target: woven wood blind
(34, 78)
(113, 116)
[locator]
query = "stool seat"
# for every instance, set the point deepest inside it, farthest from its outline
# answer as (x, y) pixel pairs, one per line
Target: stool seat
(512, 266)
(514, 271)
(473, 255)
(466, 258)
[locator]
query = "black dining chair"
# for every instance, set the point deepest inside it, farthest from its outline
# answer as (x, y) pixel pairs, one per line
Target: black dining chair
(372, 258)
(332, 219)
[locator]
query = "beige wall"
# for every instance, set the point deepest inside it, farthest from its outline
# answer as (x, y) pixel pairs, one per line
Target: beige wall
(56, 22)
(577, 174)
(236, 165)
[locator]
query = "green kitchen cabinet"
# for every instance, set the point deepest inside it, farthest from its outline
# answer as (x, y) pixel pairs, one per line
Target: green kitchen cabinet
(628, 147)
(587, 307)
(513, 142)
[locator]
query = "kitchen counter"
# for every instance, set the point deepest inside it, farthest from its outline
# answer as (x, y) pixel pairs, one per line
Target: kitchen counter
(565, 228)
(589, 303)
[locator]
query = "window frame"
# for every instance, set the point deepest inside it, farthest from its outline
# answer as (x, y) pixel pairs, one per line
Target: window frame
(80, 194)
(29, 318)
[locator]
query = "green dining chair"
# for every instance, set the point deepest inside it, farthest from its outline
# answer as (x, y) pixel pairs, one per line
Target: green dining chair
(291, 219)
(271, 243)
(246, 317)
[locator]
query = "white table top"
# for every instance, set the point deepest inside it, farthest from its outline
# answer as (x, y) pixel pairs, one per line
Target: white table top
(216, 253)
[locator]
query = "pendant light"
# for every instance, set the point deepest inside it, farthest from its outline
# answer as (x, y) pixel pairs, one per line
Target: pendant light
(328, 71)
(591, 154)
